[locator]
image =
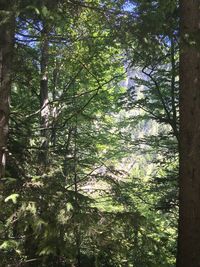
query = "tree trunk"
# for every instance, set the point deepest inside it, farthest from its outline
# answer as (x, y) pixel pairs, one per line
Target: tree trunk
(189, 184)
(6, 51)
(44, 101)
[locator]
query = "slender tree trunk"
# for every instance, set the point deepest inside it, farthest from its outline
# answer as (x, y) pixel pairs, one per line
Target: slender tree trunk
(44, 101)
(6, 52)
(54, 111)
(189, 214)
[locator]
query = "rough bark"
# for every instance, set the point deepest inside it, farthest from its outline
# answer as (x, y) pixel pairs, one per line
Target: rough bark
(189, 184)
(6, 51)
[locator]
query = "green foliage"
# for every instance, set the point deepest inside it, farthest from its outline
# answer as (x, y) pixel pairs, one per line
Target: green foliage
(108, 193)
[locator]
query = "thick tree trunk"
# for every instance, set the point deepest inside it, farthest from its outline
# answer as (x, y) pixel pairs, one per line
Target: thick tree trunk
(189, 214)
(6, 51)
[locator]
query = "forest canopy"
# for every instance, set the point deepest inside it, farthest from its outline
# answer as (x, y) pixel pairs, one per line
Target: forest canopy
(92, 127)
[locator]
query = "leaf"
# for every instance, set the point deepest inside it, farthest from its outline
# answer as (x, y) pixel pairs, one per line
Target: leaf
(34, 8)
(9, 244)
(45, 11)
(69, 206)
(12, 197)
(9, 180)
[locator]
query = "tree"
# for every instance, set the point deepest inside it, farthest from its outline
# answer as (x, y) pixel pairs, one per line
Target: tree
(52, 213)
(68, 199)
(6, 52)
(189, 181)
(44, 106)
